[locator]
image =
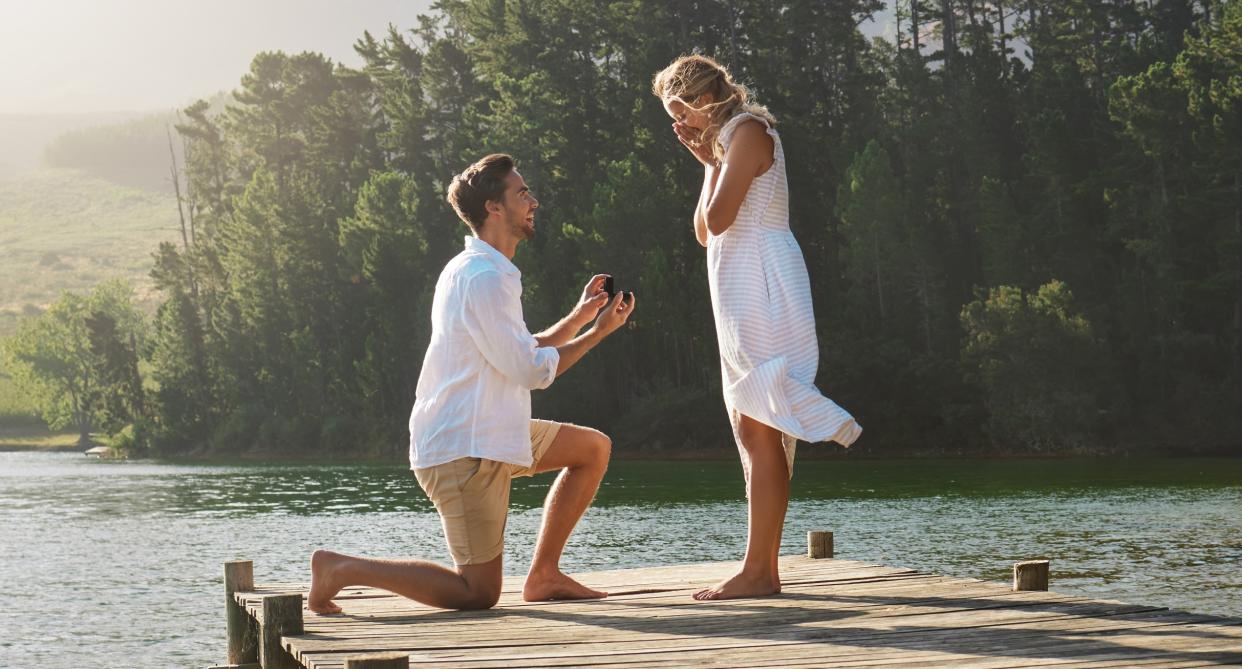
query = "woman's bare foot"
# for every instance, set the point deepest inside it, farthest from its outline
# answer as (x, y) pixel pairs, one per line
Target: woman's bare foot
(548, 587)
(323, 582)
(740, 585)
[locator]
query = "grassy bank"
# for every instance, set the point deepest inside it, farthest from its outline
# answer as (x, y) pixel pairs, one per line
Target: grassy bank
(21, 429)
(67, 230)
(37, 439)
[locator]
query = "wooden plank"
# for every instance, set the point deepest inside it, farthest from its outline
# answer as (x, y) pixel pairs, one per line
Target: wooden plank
(599, 645)
(1040, 634)
(279, 616)
(832, 613)
(857, 584)
(241, 630)
(1026, 654)
(794, 570)
(693, 616)
(797, 571)
(684, 608)
(836, 656)
(749, 642)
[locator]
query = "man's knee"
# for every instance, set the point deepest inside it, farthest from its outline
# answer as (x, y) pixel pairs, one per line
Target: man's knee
(481, 598)
(483, 584)
(601, 448)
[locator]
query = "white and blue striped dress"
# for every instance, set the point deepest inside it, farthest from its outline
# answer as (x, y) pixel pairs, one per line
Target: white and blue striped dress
(765, 322)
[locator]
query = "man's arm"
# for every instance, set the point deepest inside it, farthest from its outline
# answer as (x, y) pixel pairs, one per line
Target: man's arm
(491, 313)
(593, 297)
(564, 330)
(614, 316)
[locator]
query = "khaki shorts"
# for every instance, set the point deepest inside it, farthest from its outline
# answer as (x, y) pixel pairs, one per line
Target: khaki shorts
(472, 496)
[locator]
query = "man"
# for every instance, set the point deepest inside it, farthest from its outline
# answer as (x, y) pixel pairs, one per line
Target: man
(471, 429)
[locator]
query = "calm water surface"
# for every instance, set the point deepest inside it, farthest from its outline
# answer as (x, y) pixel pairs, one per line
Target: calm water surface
(118, 563)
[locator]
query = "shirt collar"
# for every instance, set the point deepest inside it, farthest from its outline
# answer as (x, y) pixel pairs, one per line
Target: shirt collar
(475, 244)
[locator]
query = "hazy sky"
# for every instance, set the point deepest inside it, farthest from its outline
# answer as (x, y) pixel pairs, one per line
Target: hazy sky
(112, 55)
(146, 55)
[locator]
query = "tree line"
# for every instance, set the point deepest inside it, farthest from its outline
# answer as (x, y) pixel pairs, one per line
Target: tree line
(134, 153)
(1022, 220)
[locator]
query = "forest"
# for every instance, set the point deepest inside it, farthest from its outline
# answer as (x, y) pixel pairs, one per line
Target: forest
(1022, 221)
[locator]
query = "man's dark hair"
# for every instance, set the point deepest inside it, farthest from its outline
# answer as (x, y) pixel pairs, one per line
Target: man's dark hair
(477, 185)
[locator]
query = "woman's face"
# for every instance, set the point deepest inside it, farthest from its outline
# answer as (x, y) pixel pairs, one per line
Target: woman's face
(690, 115)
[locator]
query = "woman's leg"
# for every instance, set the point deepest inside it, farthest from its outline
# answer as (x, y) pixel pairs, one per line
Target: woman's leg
(776, 545)
(767, 500)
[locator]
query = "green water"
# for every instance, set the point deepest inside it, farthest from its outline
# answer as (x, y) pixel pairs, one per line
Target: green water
(117, 563)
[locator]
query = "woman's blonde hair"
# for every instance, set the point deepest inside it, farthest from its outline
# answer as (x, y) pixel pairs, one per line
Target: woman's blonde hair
(688, 77)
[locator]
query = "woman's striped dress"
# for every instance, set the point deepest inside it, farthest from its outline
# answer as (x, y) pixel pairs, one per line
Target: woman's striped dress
(765, 322)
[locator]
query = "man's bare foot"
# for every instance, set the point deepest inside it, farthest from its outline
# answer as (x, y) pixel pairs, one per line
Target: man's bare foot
(548, 587)
(739, 586)
(323, 584)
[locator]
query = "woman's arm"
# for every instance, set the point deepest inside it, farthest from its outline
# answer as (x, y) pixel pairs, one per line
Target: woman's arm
(750, 154)
(691, 138)
(710, 172)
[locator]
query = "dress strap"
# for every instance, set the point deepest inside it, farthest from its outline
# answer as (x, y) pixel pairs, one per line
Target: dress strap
(726, 131)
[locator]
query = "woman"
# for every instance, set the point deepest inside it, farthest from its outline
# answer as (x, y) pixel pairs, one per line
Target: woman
(761, 299)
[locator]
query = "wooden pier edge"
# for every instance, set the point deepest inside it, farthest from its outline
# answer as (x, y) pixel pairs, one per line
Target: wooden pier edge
(243, 630)
(256, 644)
(1030, 575)
(282, 616)
(834, 610)
(393, 660)
(819, 545)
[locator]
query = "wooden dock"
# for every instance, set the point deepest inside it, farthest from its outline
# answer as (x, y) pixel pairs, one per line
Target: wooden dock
(832, 613)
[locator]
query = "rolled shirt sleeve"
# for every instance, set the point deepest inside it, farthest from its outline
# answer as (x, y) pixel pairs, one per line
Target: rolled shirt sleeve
(492, 314)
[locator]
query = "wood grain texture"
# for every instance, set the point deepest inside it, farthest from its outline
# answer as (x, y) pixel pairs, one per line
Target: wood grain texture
(837, 613)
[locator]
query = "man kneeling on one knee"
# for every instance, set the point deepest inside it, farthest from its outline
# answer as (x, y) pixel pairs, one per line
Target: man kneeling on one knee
(471, 430)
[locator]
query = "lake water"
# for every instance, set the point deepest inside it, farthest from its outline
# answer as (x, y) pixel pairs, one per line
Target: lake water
(119, 563)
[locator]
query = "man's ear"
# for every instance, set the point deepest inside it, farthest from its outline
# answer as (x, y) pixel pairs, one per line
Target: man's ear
(492, 206)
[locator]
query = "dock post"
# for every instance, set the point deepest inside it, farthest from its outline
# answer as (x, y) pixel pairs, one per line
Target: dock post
(395, 660)
(243, 634)
(819, 545)
(282, 615)
(1030, 575)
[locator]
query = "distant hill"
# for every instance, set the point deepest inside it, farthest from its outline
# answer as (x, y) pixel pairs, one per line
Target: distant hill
(132, 153)
(126, 148)
(68, 230)
(24, 137)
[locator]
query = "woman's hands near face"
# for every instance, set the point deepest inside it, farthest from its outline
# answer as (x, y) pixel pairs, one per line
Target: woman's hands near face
(692, 139)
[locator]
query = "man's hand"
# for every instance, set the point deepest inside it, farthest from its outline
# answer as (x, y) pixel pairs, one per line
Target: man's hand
(615, 314)
(593, 299)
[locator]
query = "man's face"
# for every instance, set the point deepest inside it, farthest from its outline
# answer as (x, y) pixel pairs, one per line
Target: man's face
(518, 207)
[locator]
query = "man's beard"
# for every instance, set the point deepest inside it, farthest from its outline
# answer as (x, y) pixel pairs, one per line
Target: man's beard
(524, 230)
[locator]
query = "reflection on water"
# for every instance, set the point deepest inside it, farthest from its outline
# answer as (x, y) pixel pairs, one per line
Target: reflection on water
(116, 560)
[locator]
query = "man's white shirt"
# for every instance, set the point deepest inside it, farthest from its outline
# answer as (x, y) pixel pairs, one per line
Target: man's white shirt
(473, 396)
